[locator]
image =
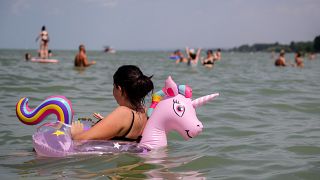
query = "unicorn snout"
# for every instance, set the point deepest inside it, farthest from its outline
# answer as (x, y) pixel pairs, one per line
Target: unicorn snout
(195, 131)
(200, 126)
(199, 129)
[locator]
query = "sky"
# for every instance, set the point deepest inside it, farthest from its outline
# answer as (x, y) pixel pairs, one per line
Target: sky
(157, 24)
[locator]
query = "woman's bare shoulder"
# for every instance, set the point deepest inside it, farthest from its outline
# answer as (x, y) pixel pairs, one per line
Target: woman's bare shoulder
(123, 109)
(121, 112)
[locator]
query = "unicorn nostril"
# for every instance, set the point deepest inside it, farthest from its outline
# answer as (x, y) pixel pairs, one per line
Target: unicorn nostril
(198, 125)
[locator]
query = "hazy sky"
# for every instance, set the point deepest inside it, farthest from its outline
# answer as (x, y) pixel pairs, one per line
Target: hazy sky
(157, 24)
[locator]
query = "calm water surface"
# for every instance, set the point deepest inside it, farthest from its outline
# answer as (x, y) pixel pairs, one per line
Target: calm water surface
(264, 125)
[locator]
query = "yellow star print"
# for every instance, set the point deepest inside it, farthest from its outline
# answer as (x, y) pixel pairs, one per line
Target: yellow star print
(58, 133)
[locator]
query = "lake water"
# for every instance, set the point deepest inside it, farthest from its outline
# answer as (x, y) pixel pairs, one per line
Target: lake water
(264, 125)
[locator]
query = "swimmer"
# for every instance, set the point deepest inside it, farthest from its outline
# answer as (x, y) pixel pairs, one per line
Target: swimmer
(50, 53)
(81, 59)
(193, 57)
(178, 55)
(312, 56)
(27, 57)
(281, 61)
(217, 55)
(298, 59)
(209, 60)
(127, 121)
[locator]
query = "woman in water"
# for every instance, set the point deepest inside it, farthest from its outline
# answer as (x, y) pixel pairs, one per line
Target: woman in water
(127, 121)
(298, 59)
(193, 57)
(44, 36)
(209, 61)
(217, 55)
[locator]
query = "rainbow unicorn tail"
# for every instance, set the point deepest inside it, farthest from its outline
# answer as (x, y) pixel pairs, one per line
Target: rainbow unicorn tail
(58, 105)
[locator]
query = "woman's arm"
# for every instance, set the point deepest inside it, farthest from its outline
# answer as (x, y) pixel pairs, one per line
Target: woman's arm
(198, 55)
(115, 124)
(188, 53)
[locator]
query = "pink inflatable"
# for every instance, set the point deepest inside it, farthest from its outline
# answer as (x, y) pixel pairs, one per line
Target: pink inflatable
(172, 109)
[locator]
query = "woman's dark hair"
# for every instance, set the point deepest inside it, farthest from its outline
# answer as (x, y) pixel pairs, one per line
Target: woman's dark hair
(27, 56)
(134, 83)
(298, 54)
(43, 28)
(193, 55)
(209, 51)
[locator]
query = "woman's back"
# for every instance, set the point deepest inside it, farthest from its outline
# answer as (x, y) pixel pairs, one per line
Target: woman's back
(133, 126)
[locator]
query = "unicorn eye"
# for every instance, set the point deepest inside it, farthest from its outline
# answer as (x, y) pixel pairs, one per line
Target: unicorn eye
(178, 108)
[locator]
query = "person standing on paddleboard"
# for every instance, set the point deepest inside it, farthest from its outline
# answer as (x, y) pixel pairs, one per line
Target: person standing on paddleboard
(44, 42)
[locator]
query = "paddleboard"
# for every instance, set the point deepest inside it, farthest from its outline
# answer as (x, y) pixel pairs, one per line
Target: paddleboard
(44, 60)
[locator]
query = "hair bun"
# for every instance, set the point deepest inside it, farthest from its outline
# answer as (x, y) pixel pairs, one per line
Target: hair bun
(134, 83)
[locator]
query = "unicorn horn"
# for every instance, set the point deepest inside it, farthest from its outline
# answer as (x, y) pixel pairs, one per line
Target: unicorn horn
(202, 100)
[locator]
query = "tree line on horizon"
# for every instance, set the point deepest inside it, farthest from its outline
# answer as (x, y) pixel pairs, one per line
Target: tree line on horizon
(304, 47)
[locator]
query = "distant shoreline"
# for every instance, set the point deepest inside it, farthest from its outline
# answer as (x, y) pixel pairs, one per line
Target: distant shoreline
(301, 46)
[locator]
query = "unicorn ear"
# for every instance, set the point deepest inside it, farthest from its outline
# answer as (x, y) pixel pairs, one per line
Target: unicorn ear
(170, 87)
(204, 99)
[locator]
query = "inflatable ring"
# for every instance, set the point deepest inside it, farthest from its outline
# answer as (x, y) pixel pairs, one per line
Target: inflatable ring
(173, 103)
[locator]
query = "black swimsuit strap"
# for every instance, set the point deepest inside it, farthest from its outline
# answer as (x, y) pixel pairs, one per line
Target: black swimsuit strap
(123, 138)
(130, 126)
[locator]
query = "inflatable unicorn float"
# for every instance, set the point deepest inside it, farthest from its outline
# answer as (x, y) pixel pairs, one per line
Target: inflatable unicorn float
(172, 109)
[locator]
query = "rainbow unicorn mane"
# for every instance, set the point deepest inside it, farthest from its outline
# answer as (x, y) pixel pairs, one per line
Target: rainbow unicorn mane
(159, 95)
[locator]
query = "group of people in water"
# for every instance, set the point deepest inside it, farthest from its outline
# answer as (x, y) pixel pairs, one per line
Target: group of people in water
(130, 87)
(44, 43)
(298, 60)
(193, 56)
(44, 52)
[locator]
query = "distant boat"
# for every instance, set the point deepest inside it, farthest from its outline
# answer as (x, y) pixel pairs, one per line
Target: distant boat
(108, 49)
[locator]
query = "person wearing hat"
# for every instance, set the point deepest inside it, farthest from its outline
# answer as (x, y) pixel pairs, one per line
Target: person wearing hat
(193, 57)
